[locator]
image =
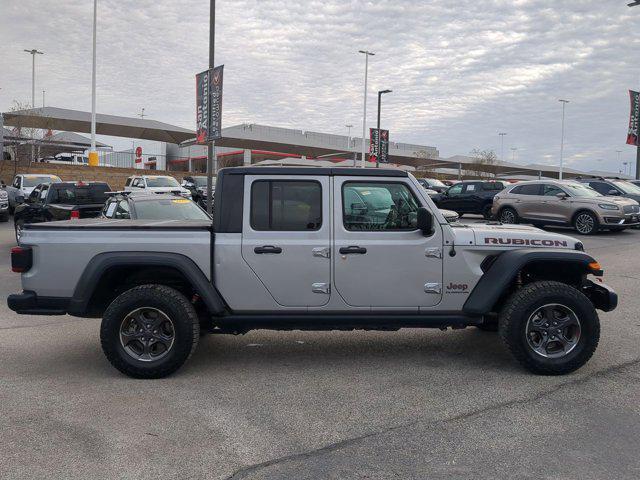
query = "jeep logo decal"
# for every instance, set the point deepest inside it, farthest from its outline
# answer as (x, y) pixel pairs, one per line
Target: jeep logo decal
(525, 241)
(457, 288)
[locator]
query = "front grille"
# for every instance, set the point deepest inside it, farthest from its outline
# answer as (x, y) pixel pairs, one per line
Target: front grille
(631, 209)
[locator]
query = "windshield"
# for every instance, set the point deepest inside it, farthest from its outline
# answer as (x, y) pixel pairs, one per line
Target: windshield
(33, 181)
(169, 209)
(434, 182)
(202, 181)
(579, 190)
(162, 182)
(627, 187)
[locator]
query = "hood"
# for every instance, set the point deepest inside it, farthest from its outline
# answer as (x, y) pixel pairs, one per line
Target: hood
(516, 236)
(183, 191)
(628, 200)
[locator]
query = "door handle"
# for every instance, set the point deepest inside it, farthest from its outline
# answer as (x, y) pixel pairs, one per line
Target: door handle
(353, 249)
(267, 249)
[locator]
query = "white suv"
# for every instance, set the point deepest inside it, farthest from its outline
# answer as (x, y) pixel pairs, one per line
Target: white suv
(155, 184)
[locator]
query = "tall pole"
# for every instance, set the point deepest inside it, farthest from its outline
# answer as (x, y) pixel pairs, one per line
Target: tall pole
(93, 155)
(564, 103)
(636, 3)
(43, 98)
(364, 115)
(502, 145)
(211, 164)
(349, 127)
(33, 52)
(513, 154)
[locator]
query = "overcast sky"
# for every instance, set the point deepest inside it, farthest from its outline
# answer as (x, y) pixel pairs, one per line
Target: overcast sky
(461, 71)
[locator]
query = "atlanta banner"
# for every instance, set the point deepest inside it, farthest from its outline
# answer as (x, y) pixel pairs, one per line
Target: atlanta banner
(632, 134)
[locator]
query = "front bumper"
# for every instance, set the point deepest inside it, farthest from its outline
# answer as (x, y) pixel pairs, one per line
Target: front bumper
(29, 303)
(626, 220)
(601, 295)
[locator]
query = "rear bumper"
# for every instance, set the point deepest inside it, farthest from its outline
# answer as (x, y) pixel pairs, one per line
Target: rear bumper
(29, 303)
(601, 295)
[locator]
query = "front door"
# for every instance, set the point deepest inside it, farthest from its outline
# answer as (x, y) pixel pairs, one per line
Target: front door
(452, 198)
(286, 237)
(380, 258)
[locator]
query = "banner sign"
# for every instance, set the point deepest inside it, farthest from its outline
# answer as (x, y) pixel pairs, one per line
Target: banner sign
(202, 107)
(215, 114)
(373, 145)
(209, 105)
(632, 134)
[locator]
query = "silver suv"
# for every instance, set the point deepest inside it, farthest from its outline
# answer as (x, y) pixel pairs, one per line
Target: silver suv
(555, 202)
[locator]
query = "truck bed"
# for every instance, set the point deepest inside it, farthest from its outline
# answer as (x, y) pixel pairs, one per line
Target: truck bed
(124, 224)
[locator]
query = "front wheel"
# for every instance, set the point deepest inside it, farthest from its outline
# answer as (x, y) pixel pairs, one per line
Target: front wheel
(586, 223)
(149, 331)
(550, 327)
(508, 216)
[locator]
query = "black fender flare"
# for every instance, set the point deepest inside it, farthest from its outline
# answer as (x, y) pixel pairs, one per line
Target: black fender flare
(504, 269)
(98, 265)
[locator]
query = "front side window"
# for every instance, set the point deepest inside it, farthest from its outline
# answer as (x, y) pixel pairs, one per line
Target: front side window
(455, 190)
(378, 206)
(601, 187)
(286, 205)
(551, 190)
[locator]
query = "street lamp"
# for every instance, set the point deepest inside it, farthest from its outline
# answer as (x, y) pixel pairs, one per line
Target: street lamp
(367, 54)
(93, 155)
(33, 53)
(564, 103)
(502, 146)
(380, 93)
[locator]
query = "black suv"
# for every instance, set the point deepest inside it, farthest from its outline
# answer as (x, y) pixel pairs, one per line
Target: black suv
(613, 187)
(471, 196)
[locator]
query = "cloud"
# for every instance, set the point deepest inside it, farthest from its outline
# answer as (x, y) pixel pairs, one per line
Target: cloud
(460, 71)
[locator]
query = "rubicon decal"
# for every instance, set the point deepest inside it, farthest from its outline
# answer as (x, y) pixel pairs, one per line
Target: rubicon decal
(525, 241)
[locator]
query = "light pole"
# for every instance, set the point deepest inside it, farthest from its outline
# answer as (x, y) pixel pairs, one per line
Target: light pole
(564, 103)
(513, 153)
(33, 52)
(502, 145)
(635, 4)
(93, 155)
(210, 148)
(349, 127)
(367, 54)
(43, 92)
(380, 93)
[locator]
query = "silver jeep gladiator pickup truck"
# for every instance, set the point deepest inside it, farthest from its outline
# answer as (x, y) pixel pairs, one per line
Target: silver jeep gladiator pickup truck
(316, 249)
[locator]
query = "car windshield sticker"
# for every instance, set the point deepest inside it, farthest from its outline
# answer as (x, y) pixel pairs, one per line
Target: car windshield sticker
(111, 209)
(471, 188)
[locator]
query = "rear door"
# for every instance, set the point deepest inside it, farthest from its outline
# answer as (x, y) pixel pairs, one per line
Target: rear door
(527, 202)
(286, 237)
(380, 258)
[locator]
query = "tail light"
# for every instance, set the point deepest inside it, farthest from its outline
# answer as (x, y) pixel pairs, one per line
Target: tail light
(21, 259)
(75, 214)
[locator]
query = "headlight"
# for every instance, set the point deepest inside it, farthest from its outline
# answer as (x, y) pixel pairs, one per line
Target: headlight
(608, 206)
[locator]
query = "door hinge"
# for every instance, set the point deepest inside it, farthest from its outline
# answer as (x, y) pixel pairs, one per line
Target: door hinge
(324, 252)
(321, 288)
(433, 252)
(433, 288)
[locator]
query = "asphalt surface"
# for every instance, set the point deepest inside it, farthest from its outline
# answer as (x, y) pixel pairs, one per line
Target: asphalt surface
(366, 405)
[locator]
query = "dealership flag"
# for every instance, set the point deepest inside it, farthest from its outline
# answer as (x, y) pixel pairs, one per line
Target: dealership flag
(373, 145)
(632, 135)
(209, 105)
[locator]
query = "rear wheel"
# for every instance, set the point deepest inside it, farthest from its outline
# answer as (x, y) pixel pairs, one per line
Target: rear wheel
(508, 216)
(586, 223)
(550, 327)
(149, 331)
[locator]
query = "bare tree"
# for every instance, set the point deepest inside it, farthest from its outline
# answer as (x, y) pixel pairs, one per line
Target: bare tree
(21, 130)
(484, 163)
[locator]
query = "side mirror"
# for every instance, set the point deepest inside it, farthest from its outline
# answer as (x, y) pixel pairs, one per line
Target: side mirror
(425, 221)
(612, 192)
(561, 195)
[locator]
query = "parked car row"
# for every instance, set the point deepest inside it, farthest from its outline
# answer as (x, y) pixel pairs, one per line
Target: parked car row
(587, 205)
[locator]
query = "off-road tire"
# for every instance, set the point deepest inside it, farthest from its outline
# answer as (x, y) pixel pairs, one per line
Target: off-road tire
(501, 216)
(520, 307)
(594, 219)
(176, 306)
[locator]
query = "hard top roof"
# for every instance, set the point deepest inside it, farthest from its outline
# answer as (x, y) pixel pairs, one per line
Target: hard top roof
(314, 171)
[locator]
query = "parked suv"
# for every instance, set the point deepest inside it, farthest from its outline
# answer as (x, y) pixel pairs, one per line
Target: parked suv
(614, 187)
(152, 206)
(155, 184)
(473, 196)
(197, 185)
(432, 184)
(555, 202)
(23, 185)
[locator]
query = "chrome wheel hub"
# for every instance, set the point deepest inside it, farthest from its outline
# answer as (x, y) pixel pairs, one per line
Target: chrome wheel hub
(147, 334)
(585, 223)
(553, 331)
(507, 217)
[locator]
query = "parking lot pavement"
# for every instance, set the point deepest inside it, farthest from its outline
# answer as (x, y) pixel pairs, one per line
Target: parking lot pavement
(408, 404)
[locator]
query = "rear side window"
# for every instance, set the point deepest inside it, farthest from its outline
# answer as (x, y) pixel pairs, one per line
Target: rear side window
(492, 186)
(526, 190)
(286, 205)
(79, 195)
(472, 187)
(601, 187)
